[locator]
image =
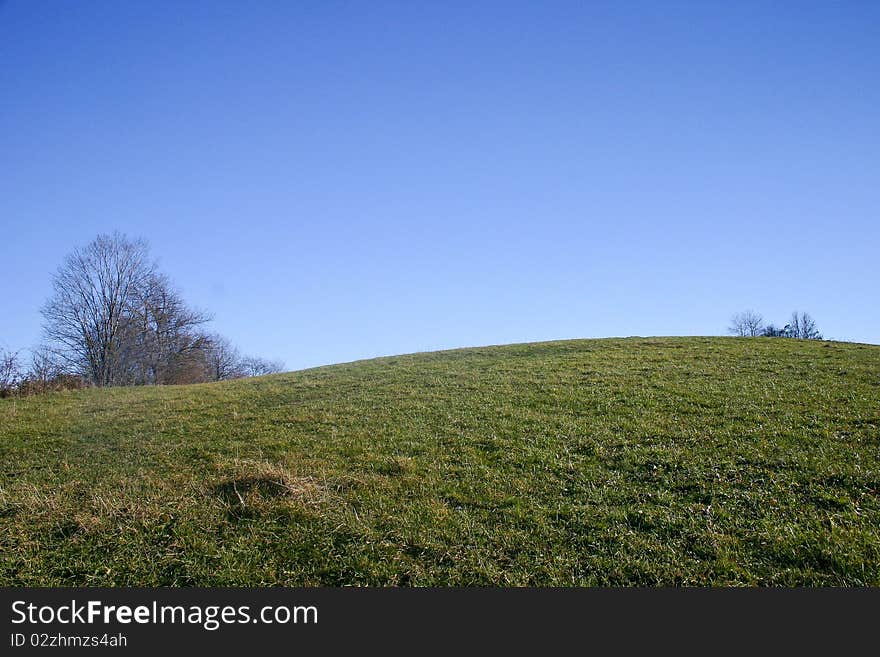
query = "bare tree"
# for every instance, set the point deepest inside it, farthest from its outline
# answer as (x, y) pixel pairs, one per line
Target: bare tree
(803, 327)
(86, 318)
(746, 324)
(224, 361)
(163, 340)
(255, 366)
(117, 320)
(10, 372)
(222, 358)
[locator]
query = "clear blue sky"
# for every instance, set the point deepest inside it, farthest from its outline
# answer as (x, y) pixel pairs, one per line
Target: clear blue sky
(339, 180)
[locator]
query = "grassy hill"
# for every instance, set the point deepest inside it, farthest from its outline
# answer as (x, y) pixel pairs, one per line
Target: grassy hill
(611, 462)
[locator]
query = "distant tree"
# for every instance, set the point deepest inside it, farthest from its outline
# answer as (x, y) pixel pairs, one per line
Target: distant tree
(10, 372)
(746, 324)
(803, 327)
(222, 359)
(163, 339)
(89, 313)
(254, 366)
(114, 318)
(772, 331)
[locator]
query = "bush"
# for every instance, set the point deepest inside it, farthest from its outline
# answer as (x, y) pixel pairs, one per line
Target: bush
(10, 373)
(36, 386)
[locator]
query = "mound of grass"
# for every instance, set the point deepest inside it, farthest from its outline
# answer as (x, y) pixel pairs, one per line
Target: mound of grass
(663, 461)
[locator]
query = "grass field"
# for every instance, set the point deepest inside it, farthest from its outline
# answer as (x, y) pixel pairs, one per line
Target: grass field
(639, 461)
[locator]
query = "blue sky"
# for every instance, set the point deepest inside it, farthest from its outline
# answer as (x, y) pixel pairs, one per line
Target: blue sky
(339, 180)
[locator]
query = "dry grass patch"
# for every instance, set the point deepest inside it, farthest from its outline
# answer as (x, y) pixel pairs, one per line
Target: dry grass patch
(254, 485)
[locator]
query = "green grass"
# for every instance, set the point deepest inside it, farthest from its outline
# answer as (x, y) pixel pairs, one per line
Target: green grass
(661, 461)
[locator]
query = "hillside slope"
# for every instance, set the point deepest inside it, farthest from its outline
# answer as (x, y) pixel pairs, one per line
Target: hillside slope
(621, 461)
